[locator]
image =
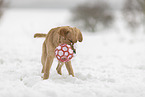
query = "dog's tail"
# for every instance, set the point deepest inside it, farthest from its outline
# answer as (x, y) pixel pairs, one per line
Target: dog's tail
(37, 35)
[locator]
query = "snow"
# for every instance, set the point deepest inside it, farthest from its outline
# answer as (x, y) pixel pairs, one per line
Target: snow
(106, 65)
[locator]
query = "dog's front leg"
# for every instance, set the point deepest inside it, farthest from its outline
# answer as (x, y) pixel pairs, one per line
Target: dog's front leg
(60, 64)
(69, 68)
(48, 65)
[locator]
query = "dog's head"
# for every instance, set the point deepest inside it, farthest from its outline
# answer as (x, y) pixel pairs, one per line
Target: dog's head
(71, 35)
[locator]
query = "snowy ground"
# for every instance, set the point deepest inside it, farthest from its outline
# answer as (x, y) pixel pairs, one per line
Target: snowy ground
(106, 65)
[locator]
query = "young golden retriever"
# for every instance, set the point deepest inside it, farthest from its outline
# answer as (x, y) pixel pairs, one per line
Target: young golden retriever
(66, 34)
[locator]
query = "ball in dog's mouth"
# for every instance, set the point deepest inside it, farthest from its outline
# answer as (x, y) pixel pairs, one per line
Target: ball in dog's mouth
(64, 52)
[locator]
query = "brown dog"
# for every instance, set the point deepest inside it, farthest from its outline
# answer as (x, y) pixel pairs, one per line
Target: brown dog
(55, 37)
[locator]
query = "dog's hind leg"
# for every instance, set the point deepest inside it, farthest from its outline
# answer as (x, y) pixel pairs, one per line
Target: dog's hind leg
(43, 57)
(48, 65)
(60, 64)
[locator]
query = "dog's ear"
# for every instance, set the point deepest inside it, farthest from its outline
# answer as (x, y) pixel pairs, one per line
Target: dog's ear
(63, 32)
(79, 34)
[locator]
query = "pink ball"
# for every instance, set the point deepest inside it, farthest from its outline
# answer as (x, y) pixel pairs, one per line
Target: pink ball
(64, 52)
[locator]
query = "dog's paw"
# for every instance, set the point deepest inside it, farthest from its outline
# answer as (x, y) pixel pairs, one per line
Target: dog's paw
(59, 72)
(45, 76)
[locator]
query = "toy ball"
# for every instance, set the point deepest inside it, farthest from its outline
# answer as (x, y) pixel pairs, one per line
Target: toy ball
(64, 52)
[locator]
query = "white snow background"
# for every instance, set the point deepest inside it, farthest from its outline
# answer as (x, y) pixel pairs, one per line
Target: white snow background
(110, 64)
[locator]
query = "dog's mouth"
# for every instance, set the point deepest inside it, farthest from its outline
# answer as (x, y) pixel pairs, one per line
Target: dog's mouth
(72, 46)
(74, 51)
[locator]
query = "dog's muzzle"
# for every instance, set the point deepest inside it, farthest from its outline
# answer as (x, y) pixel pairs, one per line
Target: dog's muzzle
(73, 48)
(72, 45)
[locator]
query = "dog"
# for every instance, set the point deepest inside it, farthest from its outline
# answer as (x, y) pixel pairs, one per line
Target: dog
(65, 34)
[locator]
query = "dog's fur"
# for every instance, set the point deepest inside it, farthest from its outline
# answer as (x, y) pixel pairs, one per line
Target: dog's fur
(56, 36)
